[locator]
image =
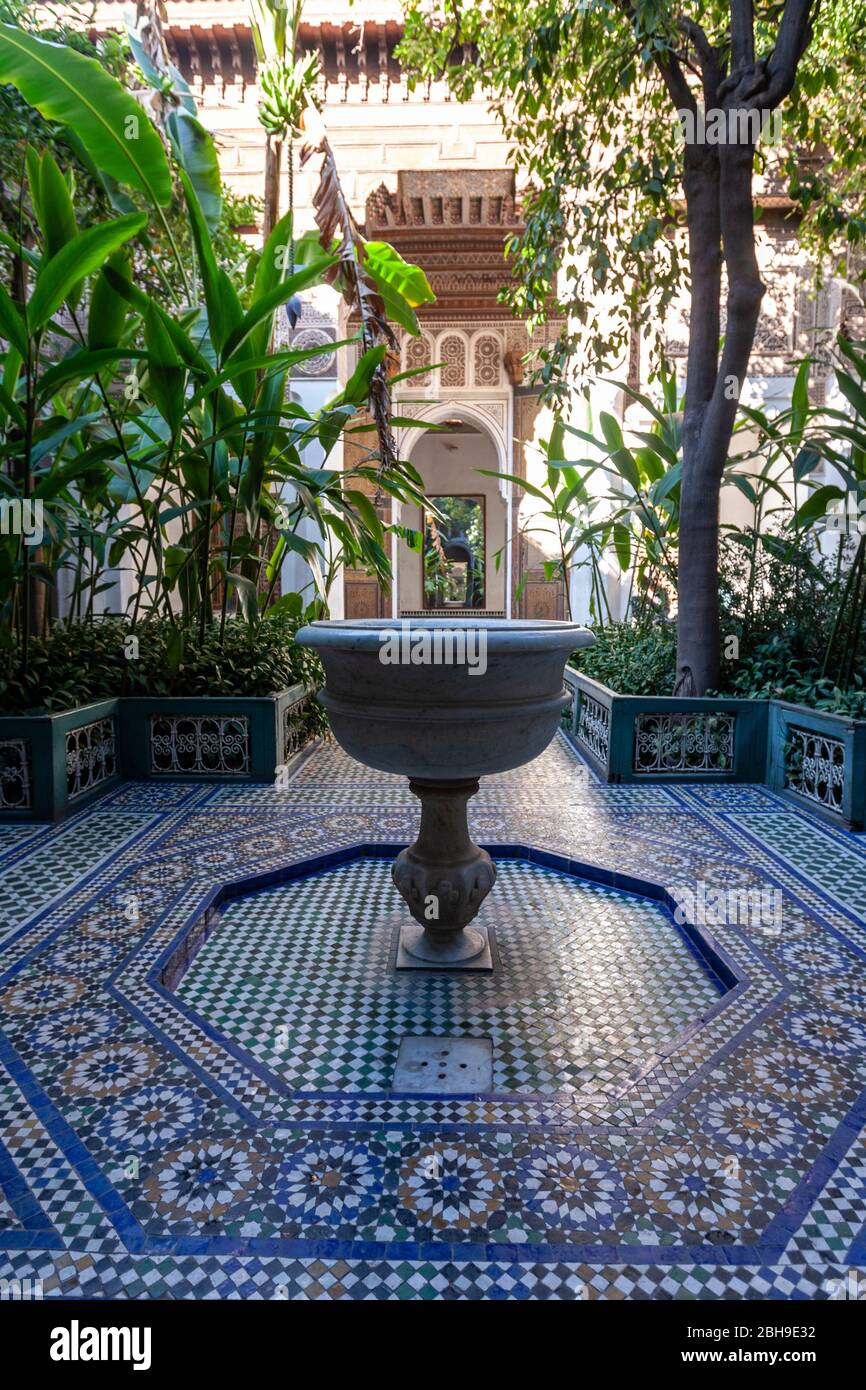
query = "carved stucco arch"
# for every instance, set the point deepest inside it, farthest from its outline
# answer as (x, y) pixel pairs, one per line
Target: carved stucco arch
(473, 412)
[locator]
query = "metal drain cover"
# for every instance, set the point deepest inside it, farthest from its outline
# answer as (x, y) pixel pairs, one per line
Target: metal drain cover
(453, 1066)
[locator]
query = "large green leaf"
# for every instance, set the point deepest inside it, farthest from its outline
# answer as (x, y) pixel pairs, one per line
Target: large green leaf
(195, 152)
(107, 315)
(12, 324)
(622, 458)
(77, 92)
(852, 392)
(271, 269)
(55, 210)
(817, 504)
(386, 266)
(165, 373)
(800, 399)
(80, 365)
(357, 388)
(224, 310)
(140, 301)
(622, 544)
(52, 203)
(402, 286)
(78, 258)
(264, 307)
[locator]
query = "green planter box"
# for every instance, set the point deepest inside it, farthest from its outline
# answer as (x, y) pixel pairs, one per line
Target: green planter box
(660, 738)
(52, 764)
(814, 758)
(210, 738)
(819, 760)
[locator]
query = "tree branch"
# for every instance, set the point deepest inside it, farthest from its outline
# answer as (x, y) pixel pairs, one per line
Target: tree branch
(745, 292)
(701, 186)
(742, 35)
(668, 66)
(795, 30)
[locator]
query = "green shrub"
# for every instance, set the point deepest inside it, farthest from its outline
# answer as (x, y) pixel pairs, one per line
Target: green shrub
(77, 663)
(632, 659)
(794, 596)
(641, 660)
(775, 671)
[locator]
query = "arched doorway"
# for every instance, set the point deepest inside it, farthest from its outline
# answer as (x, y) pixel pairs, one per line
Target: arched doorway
(463, 563)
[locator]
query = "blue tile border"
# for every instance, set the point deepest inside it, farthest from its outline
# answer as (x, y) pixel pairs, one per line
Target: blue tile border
(731, 977)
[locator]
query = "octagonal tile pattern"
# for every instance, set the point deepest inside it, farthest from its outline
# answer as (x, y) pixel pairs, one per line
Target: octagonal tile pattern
(590, 984)
(171, 1141)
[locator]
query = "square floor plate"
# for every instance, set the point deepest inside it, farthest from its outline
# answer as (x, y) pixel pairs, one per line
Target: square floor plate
(450, 1066)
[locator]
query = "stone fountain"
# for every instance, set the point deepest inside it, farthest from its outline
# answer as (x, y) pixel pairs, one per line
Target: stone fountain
(444, 701)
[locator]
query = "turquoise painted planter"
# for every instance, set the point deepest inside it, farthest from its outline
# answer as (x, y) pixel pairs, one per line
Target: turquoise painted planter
(640, 738)
(50, 765)
(816, 759)
(819, 760)
(209, 738)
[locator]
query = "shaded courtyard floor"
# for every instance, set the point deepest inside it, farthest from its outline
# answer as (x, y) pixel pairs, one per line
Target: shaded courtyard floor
(227, 1127)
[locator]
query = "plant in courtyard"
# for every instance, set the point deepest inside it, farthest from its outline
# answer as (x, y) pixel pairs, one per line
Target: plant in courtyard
(605, 106)
(288, 91)
(640, 512)
(159, 436)
(631, 520)
(77, 663)
(563, 521)
(839, 437)
(631, 659)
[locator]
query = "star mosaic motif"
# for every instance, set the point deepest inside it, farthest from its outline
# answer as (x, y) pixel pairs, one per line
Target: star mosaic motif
(210, 1112)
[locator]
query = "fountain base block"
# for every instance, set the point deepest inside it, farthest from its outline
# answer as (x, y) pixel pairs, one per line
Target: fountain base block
(468, 950)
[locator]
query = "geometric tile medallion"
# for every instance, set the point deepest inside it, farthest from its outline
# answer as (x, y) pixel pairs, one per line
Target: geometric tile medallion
(238, 1131)
(590, 983)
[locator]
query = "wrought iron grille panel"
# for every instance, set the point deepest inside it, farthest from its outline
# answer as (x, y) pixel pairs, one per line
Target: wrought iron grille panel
(593, 727)
(294, 727)
(91, 756)
(184, 744)
(15, 774)
(566, 719)
(815, 767)
(684, 743)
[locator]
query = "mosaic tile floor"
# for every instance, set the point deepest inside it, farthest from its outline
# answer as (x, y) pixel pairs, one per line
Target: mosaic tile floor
(652, 1132)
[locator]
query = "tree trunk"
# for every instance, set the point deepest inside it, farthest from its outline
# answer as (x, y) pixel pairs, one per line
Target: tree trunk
(718, 186)
(710, 418)
(273, 162)
(697, 564)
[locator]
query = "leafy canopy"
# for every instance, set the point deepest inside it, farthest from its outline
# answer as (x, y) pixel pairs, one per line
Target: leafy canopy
(580, 91)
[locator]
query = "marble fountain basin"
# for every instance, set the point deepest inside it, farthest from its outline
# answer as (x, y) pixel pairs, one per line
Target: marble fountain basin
(444, 701)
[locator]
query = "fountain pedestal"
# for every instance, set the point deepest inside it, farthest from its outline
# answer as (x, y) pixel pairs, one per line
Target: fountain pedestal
(443, 878)
(412, 702)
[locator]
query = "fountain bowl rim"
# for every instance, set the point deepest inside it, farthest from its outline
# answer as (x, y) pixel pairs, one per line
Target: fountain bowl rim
(503, 634)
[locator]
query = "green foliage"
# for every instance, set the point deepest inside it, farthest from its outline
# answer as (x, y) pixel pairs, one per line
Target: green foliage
(782, 617)
(75, 91)
(154, 429)
(776, 670)
(631, 658)
(581, 94)
(403, 287)
(774, 586)
(77, 663)
(162, 252)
